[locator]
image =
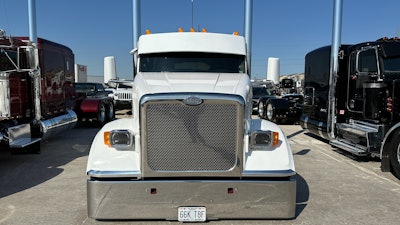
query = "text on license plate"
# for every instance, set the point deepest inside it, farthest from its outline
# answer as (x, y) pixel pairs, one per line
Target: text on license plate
(192, 214)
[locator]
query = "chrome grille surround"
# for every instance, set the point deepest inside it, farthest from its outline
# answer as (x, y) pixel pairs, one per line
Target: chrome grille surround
(192, 140)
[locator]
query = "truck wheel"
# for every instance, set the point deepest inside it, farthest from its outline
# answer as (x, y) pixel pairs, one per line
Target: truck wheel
(110, 112)
(101, 114)
(270, 112)
(395, 155)
(261, 109)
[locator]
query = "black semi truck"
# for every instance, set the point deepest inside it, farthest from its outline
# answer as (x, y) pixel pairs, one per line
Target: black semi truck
(365, 100)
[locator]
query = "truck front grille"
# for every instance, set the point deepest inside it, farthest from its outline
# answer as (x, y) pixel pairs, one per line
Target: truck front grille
(124, 96)
(185, 138)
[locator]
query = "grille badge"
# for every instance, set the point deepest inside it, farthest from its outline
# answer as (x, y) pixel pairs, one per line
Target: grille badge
(193, 101)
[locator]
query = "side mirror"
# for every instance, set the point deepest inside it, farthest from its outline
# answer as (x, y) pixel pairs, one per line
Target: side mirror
(134, 53)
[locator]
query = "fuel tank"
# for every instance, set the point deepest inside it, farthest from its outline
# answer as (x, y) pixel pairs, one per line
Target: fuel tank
(56, 125)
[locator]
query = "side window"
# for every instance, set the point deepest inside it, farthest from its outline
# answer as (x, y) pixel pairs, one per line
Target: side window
(352, 63)
(366, 62)
(67, 65)
(69, 69)
(5, 63)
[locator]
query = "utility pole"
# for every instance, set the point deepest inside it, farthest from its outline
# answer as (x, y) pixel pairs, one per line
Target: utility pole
(248, 30)
(136, 21)
(192, 14)
(34, 58)
(336, 40)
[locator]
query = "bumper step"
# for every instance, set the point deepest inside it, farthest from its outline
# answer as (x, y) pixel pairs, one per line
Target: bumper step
(23, 142)
(20, 136)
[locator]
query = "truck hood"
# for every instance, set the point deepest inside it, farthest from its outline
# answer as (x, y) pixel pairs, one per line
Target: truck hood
(166, 82)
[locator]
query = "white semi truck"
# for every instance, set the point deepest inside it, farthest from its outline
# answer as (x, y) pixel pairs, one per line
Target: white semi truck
(191, 151)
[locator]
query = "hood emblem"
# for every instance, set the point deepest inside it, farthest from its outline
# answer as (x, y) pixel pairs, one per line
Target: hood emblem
(193, 101)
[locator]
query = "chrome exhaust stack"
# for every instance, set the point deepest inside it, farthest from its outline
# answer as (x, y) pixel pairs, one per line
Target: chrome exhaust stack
(136, 21)
(334, 65)
(33, 56)
(248, 27)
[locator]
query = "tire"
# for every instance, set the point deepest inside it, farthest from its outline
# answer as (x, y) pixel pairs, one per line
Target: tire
(261, 110)
(270, 112)
(394, 155)
(110, 112)
(101, 114)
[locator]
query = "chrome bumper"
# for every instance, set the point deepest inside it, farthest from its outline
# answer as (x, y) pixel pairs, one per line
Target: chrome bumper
(223, 199)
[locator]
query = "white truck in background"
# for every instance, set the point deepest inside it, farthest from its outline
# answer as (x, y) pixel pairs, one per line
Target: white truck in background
(121, 93)
(121, 89)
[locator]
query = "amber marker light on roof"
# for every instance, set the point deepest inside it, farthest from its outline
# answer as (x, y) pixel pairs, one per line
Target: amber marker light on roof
(148, 32)
(236, 33)
(192, 30)
(204, 30)
(180, 29)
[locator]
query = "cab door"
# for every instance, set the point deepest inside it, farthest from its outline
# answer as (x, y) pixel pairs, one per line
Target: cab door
(363, 68)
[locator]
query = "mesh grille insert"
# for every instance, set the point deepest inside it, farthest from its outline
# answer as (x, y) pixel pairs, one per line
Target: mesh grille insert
(191, 138)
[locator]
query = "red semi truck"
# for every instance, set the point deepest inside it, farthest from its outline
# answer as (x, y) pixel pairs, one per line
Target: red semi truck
(37, 92)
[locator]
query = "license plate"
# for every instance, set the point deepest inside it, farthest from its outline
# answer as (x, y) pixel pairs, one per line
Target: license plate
(192, 214)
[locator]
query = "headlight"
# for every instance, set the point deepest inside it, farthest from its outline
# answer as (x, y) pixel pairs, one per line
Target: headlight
(119, 139)
(261, 139)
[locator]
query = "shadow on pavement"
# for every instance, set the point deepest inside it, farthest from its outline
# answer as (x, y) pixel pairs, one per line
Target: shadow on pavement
(302, 194)
(19, 172)
(295, 134)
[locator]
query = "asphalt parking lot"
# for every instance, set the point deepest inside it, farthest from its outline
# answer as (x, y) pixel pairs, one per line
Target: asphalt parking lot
(332, 187)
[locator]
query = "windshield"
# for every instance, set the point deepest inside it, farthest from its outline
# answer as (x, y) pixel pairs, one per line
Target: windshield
(123, 86)
(5, 63)
(192, 62)
(85, 88)
(259, 91)
(391, 65)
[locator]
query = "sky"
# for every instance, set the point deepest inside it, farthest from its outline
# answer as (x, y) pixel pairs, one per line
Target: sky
(284, 29)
